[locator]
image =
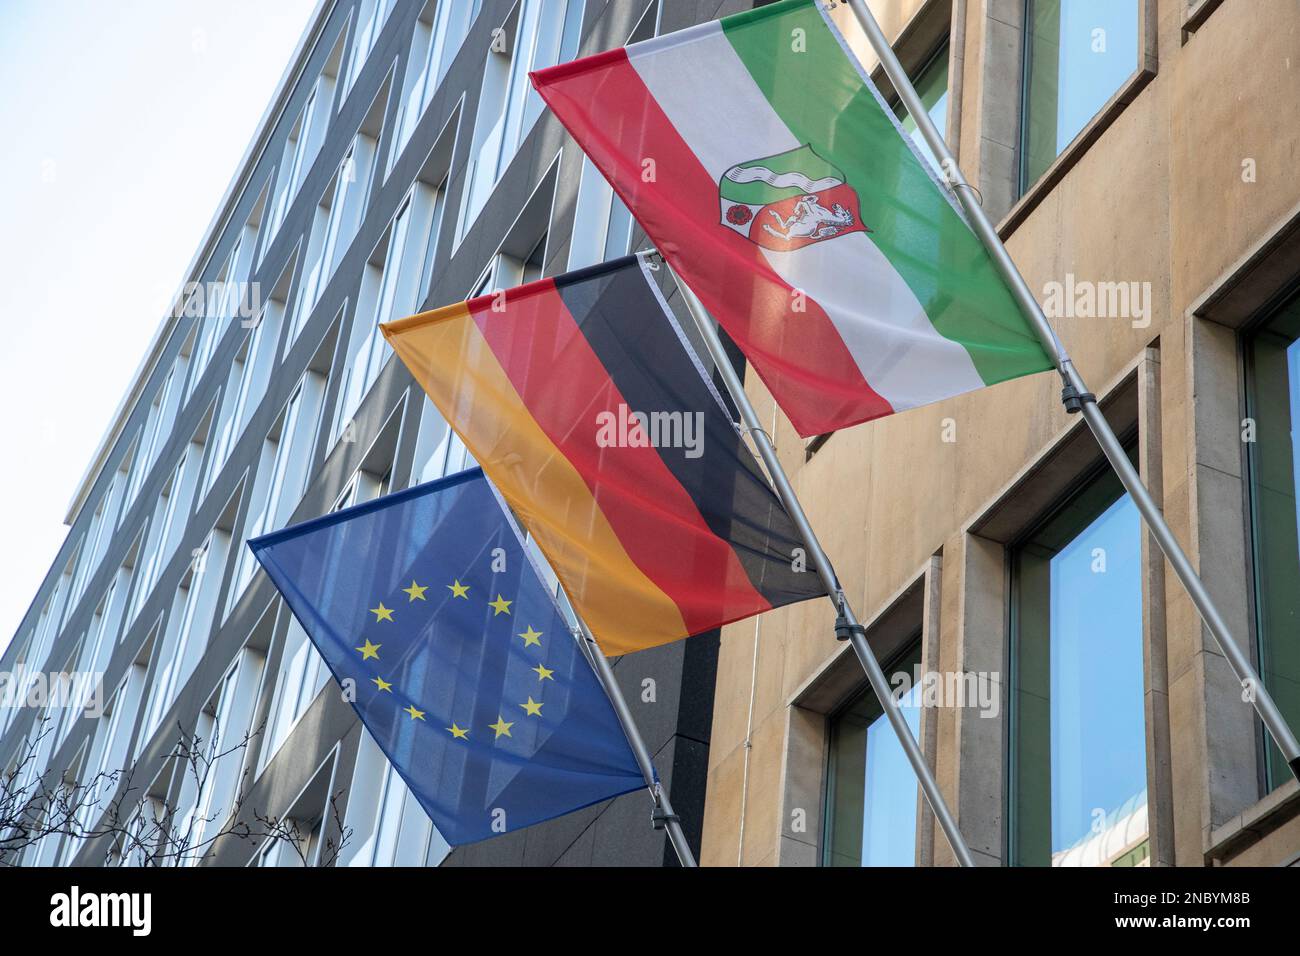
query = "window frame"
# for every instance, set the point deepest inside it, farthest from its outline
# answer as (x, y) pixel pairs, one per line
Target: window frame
(1065, 499)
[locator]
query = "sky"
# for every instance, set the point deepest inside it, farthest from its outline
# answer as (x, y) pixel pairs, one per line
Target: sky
(124, 124)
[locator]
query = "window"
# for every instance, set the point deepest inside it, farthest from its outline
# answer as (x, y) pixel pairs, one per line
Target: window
(188, 626)
(143, 839)
(388, 291)
(505, 271)
(439, 32)
(1078, 752)
(47, 625)
(337, 217)
(67, 707)
(871, 788)
(218, 303)
(539, 33)
(154, 433)
(431, 244)
(299, 150)
(302, 671)
(1077, 56)
(389, 827)
(602, 224)
(125, 577)
(931, 85)
(96, 541)
(165, 529)
(101, 639)
(219, 732)
(281, 473)
(125, 476)
(370, 22)
(108, 751)
(1272, 352)
(438, 450)
(250, 372)
(18, 669)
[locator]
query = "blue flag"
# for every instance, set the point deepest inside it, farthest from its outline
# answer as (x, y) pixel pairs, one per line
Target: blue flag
(462, 666)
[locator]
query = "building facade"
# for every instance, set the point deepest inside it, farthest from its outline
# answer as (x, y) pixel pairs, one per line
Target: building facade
(1074, 709)
(404, 163)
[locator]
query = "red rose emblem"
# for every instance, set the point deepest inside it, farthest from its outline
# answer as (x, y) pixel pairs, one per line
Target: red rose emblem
(739, 215)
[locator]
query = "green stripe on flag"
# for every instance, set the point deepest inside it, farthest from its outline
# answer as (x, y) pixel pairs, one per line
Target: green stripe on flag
(798, 64)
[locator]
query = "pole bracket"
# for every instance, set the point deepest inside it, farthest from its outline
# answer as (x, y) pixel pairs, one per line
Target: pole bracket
(659, 819)
(1073, 399)
(844, 630)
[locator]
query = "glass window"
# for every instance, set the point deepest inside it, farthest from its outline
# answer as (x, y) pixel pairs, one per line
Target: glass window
(389, 826)
(932, 86)
(293, 167)
(369, 349)
(1078, 729)
(324, 247)
(439, 32)
(1273, 402)
(1077, 55)
(871, 789)
(370, 22)
(164, 531)
(602, 224)
(438, 450)
(431, 244)
(547, 33)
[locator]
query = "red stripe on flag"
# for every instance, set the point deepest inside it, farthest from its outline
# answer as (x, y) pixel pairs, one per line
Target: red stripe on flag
(800, 355)
(564, 386)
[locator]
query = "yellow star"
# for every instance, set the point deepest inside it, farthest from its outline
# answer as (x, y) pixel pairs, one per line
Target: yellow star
(531, 637)
(415, 591)
(502, 727)
(382, 684)
(369, 650)
(415, 714)
(532, 708)
(382, 613)
(544, 673)
(500, 606)
(459, 590)
(460, 733)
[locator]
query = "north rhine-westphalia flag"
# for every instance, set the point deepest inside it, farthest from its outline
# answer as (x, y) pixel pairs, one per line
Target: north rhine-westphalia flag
(455, 655)
(762, 162)
(582, 401)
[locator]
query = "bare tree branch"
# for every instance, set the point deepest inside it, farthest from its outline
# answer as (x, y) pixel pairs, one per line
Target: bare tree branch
(141, 829)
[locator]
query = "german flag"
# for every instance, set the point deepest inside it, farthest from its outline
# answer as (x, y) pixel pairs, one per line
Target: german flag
(584, 404)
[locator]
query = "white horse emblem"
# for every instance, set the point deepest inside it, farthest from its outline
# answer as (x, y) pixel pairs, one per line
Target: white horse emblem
(810, 220)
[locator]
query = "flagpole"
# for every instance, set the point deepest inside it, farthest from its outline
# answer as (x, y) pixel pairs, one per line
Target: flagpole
(847, 625)
(1077, 398)
(663, 816)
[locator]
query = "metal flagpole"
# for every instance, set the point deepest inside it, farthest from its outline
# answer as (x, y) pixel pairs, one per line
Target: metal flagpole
(846, 624)
(1077, 398)
(663, 816)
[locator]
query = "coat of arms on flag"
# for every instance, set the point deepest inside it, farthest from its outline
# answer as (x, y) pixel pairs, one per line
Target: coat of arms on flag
(789, 200)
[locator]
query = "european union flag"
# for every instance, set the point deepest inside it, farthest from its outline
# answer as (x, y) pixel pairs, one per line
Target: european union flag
(428, 610)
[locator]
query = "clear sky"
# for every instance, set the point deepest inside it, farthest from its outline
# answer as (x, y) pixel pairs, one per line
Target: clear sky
(123, 125)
